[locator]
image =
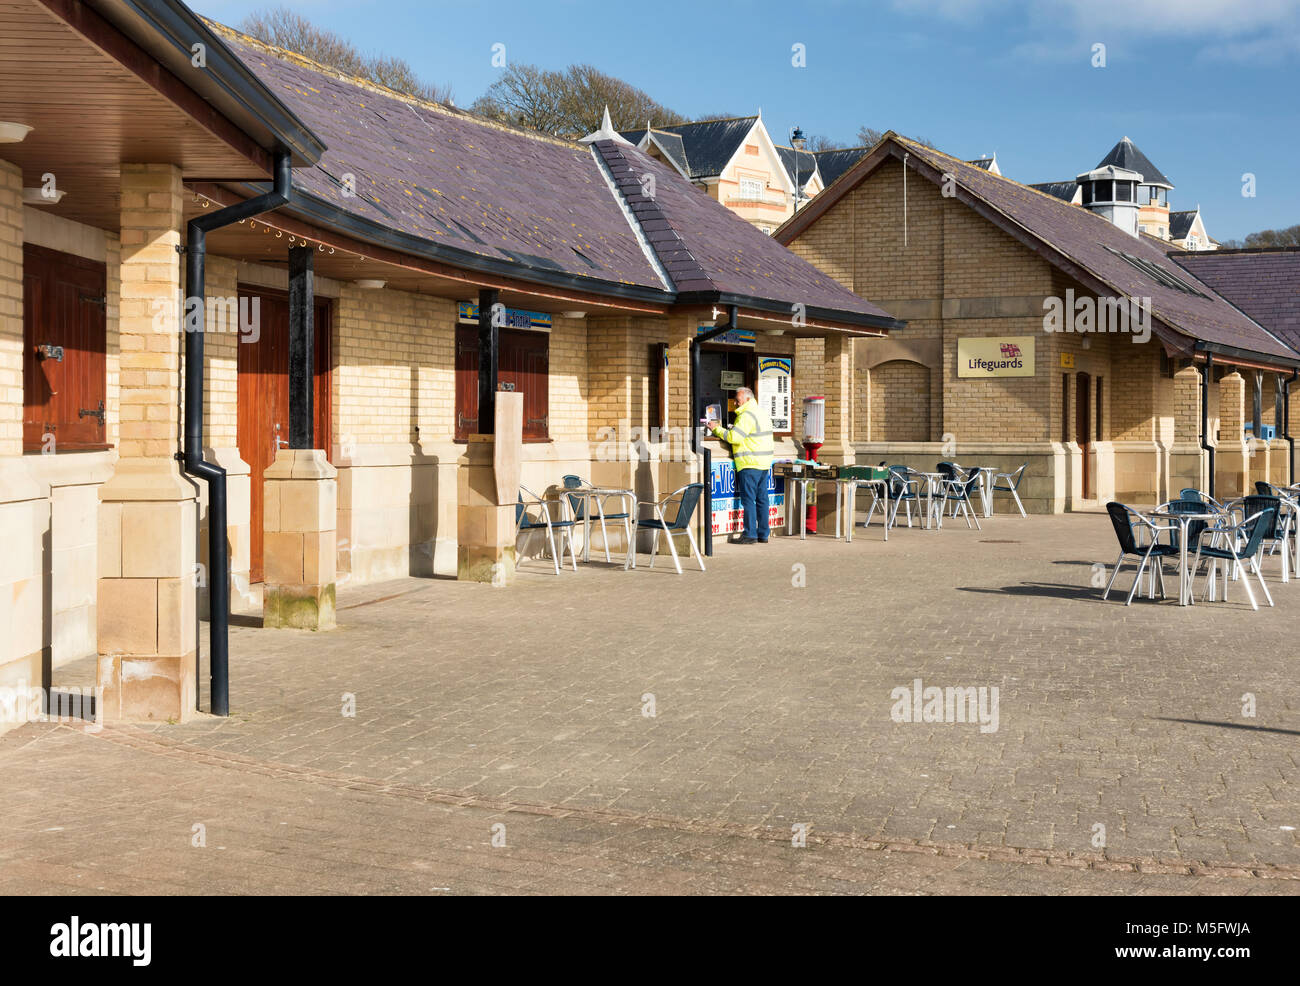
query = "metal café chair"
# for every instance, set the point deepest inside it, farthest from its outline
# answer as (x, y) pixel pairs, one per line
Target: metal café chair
(1122, 519)
(1241, 543)
(580, 494)
(545, 522)
(956, 491)
(903, 491)
(688, 498)
(1286, 524)
(1011, 485)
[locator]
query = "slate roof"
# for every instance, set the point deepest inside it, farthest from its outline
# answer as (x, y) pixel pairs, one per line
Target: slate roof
(1063, 190)
(1180, 223)
(708, 145)
(670, 143)
(807, 164)
(1082, 244)
(539, 206)
(1125, 154)
(982, 162)
(707, 248)
(832, 164)
(1265, 284)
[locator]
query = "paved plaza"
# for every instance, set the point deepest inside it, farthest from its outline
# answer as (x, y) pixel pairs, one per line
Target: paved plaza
(644, 732)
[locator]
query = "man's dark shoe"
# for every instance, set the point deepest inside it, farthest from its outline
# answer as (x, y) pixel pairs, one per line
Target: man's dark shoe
(762, 540)
(748, 541)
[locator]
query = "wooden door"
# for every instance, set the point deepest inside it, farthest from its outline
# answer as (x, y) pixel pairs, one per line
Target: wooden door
(523, 365)
(64, 337)
(263, 396)
(1082, 426)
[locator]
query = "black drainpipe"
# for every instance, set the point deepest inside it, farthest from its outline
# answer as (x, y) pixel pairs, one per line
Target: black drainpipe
(192, 457)
(696, 428)
(1205, 414)
(1286, 426)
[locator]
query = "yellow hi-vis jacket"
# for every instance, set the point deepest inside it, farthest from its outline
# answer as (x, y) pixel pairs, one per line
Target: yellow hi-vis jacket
(750, 437)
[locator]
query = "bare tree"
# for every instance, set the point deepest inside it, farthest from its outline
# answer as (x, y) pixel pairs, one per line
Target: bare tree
(820, 142)
(286, 28)
(869, 137)
(569, 102)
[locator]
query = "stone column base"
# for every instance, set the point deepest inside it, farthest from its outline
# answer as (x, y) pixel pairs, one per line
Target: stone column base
(299, 521)
(146, 597)
(485, 530)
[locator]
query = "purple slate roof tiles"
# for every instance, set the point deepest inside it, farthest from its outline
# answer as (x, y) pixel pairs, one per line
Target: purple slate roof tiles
(543, 204)
(1265, 284)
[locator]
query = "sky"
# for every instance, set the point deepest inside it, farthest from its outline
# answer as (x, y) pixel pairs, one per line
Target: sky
(1208, 89)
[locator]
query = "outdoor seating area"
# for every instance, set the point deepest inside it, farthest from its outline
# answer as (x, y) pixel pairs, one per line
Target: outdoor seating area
(1220, 542)
(580, 505)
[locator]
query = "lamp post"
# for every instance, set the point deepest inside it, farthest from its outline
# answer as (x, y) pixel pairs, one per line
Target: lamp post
(797, 141)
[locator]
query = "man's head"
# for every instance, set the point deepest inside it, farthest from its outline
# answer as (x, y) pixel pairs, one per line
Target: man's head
(743, 395)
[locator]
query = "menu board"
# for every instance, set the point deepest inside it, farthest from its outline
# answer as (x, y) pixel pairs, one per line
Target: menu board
(774, 379)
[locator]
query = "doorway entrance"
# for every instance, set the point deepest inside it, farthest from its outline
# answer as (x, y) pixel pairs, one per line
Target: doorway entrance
(263, 396)
(1082, 427)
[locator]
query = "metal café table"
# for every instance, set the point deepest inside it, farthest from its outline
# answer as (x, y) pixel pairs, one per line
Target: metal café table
(986, 488)
(846, 499)
(598, 495)
(1184, 521)
(932, 481)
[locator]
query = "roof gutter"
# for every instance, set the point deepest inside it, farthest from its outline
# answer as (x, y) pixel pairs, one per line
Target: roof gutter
(168, 30)
(1233, 354)
(723, 299)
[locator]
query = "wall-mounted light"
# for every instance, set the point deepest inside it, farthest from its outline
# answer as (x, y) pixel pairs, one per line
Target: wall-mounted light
(573, 314)
(13, 133)
(774, 332)
(369, 284)
(43, 196)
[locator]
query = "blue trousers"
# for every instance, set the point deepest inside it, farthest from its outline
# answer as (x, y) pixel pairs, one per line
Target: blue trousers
(751, 487)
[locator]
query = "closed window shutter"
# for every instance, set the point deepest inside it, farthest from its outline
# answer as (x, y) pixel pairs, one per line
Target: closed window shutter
(64, 314)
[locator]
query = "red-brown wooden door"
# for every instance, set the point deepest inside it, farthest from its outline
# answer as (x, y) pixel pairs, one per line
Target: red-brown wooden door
(523, 365)
(63, 306)
(1082, 429)
(263, 396)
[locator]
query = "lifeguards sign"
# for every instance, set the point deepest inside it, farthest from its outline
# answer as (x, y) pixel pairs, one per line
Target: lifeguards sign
(1003, 356)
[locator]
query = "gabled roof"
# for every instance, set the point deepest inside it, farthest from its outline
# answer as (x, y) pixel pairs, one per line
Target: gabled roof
(807, 164)
(987, 163)
(1126, 155)
(1265, 284)
(1063, 190)
(706, 249)
(670, 144)
(709, 145)
(1187, 314)
(437, 182)
(832, 164)
(1180, 223)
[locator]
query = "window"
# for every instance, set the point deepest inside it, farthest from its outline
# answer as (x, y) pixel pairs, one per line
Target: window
(751, 189)
(64, 336)
(1157, 273)
(1123, 191)
(1102, 192)
(523, 365)
(1087, 193)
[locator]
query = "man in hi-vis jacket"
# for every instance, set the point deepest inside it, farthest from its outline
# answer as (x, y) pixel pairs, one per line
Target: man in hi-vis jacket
(751, 441)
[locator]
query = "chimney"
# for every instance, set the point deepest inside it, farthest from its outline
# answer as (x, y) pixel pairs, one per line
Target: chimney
(1111, 192)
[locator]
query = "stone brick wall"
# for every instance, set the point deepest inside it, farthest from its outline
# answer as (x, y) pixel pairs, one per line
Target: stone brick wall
(11, 309)
(899, 403)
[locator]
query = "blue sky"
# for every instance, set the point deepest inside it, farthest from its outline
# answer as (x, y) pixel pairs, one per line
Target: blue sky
(1208, 89)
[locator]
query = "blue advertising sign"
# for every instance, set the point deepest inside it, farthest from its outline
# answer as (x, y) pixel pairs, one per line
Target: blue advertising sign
(728, 515)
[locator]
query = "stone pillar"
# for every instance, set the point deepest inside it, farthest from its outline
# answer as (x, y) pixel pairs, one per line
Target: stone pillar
(1187, 465)
(1231, 458)
(487, 494)
(25, 590)
(299, 521)
(837, 384)
(147, 511)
